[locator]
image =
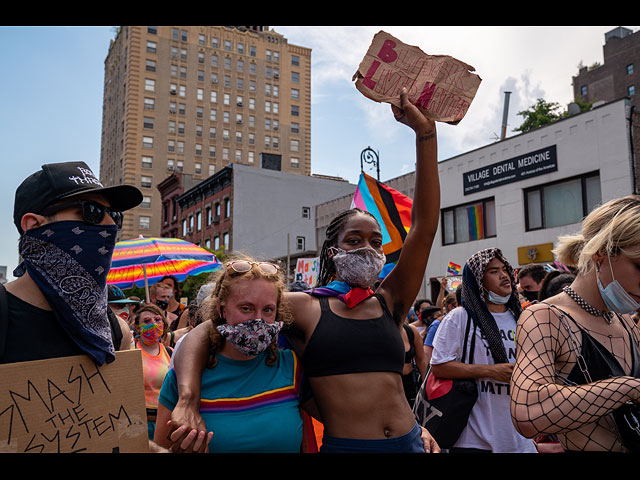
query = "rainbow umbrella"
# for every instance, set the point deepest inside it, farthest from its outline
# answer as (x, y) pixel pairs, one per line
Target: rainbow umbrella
(144, 261)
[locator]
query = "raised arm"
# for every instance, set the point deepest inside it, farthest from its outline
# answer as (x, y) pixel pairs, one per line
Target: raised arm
(402, 285)
(539, 403)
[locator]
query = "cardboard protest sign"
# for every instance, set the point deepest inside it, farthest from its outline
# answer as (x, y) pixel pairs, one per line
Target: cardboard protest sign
(69, 405)
(439, 85)
(307, 270)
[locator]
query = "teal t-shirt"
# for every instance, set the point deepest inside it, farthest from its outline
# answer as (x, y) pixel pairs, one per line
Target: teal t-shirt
(249, 406)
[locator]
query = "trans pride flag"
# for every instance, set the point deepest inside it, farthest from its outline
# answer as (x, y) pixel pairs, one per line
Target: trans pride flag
(391, 208)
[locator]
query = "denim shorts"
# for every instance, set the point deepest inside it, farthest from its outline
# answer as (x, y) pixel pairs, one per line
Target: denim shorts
(408, 443)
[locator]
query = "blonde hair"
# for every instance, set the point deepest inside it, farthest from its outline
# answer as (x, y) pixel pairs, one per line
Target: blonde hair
(610, 229)
(224, 280)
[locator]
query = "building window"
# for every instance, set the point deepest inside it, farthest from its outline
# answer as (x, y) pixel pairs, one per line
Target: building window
(149, 84)
(295, 162)
(306, 212)
(471, 221)
(145, 181)
(578, 196)
(152, 47)
(583, 90)
(630, 69)
(146, 202)
(227, 208)
(216, 243)
(147, 122)
(300, 243)
(149, 104)
(147, 162)
(152, 30)
(144, 223)
(631, 90)
(150, 66)
(147, 142)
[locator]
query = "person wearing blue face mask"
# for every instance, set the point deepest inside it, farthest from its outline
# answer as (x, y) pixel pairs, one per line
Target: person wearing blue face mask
(490, 309)
(57, 306)
(577, 374)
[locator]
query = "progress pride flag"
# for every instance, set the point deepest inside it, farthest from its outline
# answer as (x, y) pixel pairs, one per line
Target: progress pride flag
(439, 85)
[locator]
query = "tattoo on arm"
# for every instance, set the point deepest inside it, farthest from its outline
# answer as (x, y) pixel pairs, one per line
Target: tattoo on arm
(428, 135)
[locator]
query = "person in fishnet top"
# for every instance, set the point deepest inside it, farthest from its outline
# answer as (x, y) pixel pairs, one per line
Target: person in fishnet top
(577, 368)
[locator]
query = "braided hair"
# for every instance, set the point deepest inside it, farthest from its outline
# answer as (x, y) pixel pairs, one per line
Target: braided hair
(327, 269)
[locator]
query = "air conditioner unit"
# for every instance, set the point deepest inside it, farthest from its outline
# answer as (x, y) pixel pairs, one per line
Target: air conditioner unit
(216, 219)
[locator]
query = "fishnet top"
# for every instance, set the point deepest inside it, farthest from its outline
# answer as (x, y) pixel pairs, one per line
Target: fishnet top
(545, 401)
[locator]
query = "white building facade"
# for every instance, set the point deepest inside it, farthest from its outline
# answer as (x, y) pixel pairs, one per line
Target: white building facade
(521, 193)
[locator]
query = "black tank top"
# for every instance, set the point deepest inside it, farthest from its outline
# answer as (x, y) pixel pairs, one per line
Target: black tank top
(602, 364)
(341, 345)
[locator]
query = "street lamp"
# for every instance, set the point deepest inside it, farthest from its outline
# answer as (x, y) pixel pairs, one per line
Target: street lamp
(369, 156)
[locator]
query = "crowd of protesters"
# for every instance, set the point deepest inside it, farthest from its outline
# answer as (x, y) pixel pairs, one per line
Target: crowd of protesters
(253, 366)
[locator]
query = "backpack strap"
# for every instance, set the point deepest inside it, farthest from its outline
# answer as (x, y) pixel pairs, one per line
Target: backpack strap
(466, 338)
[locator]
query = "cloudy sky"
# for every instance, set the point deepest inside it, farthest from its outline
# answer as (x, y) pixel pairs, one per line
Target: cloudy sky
(53, 77)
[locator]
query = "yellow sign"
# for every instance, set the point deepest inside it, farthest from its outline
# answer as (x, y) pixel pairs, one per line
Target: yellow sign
(535, 254)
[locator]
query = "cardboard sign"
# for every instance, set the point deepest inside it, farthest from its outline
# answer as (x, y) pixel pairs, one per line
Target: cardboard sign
(307, 270)
(439, 85)
(69, 405)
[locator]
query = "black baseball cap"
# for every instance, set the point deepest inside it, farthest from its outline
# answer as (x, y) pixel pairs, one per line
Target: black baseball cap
(57, 181)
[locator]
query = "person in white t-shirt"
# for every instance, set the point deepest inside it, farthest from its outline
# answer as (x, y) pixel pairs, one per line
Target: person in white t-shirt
(490, 301)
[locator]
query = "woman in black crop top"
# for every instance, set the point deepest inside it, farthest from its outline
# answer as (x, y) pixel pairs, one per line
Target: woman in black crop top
(350, 343)
(578, 363)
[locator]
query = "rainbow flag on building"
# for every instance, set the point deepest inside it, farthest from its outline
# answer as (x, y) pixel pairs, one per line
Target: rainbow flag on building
(391, 208)
(476, 222)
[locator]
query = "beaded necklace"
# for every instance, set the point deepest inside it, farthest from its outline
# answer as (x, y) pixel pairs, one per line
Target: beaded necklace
(582, 303)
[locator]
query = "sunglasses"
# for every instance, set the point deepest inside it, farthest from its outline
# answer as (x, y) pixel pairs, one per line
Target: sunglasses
(243, 266)
(92, 212)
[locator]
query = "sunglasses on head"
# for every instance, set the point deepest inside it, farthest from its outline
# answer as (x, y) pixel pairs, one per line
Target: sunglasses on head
(92, 212)
(243, 266)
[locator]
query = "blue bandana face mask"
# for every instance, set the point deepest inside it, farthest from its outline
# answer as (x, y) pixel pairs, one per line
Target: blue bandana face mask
(69, 262)
(614, 296)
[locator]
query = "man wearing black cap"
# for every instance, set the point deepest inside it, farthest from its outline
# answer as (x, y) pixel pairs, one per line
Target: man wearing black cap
(68, 223)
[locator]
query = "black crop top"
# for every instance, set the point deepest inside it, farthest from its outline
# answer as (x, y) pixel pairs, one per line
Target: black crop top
(341, 345)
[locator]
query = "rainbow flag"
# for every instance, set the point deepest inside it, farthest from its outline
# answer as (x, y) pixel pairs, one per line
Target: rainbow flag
(453, 268)
(391, 208)
(476, 222)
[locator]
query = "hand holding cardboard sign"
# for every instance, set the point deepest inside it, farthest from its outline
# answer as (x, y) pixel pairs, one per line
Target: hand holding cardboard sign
(440, 86)
(410, 115)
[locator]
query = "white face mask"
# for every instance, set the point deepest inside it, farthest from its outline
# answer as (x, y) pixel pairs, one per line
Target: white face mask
(614, 296)
(499, 299)
(359, 267)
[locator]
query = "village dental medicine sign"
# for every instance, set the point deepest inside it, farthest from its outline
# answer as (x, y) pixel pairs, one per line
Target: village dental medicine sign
(512, 170)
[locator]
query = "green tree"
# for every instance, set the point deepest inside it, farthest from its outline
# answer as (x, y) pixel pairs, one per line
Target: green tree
(542, 113)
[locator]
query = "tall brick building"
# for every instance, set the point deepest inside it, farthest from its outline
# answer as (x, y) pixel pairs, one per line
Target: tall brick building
(617, 77)
(193, 99)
